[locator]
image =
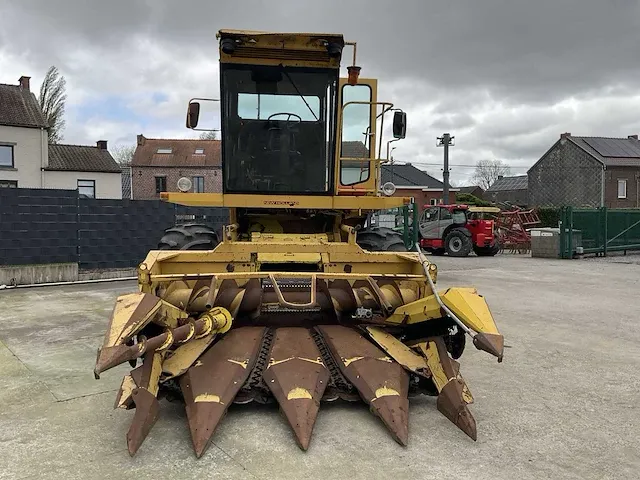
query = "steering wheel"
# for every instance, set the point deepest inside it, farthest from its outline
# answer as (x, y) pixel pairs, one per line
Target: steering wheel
(289, 115)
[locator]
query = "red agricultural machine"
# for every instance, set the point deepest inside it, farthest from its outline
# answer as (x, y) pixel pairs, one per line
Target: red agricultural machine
(513, 229)
(458, 229)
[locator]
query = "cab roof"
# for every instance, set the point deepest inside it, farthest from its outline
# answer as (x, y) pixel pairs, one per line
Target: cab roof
(279, 48)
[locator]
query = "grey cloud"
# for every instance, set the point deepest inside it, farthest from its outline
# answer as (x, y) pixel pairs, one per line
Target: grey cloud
(459, 120)
(516, 49)
(506, 77)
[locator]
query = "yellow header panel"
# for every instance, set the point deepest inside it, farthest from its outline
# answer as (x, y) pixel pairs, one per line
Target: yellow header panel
(284, 201)
(290, 49)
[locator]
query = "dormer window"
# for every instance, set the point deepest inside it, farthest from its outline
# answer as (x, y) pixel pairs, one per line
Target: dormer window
(199, 151)
(165, 150)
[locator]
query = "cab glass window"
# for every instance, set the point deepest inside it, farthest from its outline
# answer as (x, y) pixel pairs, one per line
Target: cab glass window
(445, 214)
(356, 135)
(431, 214)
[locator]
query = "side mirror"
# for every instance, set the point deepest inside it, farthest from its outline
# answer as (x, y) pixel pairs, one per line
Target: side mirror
(399, 125)
(193, 113)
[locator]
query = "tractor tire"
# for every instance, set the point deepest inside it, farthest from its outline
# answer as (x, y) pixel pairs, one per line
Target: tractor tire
(458, 243)
(381, 239)
(491, 251)
(191, 236)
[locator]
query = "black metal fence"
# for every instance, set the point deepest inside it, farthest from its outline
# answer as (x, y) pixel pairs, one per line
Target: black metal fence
(57, 226)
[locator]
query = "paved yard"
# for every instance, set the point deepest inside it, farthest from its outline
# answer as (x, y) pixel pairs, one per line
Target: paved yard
(563, 405)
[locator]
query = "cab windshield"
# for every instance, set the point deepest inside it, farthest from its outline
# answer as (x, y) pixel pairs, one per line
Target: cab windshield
(278, 129)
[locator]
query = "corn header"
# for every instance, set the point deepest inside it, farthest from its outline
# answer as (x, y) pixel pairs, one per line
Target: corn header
(298, 300)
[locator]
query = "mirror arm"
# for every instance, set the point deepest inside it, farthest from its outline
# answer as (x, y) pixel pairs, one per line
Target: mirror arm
(388, 144)
(386, 107)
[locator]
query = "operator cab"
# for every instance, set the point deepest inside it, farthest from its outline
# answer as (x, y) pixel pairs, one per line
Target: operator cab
(456, 214)
(277, 125)
(291, 126)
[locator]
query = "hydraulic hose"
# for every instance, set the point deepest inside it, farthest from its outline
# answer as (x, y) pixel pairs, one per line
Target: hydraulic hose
(425, 265)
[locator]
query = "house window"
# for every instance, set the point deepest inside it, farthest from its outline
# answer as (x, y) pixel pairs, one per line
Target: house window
(161, 184)
(8, 184)
(87, 188)
(165, 150)
(199, 151)
(198, 184)
(6, 156)
(622, 189)
(433, 201)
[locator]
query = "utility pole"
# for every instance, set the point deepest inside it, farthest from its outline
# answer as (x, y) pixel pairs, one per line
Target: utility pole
(445, 141)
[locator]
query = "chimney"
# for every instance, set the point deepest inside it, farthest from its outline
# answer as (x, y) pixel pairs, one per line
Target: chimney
(25, 83)
(141, 140)
(101, 144)
(633, 137)
(565, 135)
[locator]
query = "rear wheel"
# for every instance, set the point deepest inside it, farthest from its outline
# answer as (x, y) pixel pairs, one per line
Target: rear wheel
(457, 243)
(381, 239)
(191, 236)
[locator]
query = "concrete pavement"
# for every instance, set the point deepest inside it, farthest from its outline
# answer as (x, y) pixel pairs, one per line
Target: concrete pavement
(563, 405)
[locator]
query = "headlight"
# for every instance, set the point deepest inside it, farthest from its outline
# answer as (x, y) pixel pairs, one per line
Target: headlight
(184, 184)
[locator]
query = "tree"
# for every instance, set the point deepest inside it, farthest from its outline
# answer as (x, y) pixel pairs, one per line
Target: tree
(123, 154)
(488, 171)
(211, 135)
(52, 101)
(468, 199)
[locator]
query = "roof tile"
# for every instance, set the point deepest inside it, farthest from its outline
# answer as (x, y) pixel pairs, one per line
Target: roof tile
(80, 158)
(20, 108)
(519, 182)
(182, 153)
(406, 175)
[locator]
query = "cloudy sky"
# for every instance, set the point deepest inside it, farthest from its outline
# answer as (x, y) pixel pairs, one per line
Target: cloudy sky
(506, 77)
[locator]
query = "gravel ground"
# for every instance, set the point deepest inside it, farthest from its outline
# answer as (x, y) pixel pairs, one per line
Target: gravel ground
(562, 405)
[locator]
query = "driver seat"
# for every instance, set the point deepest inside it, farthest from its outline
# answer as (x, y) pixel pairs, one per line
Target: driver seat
(285, 158)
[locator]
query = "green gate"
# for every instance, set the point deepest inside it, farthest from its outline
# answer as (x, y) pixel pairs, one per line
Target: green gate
(603, 230)
(404, 219)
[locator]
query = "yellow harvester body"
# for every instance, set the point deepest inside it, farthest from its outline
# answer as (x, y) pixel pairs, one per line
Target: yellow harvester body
(297, 300)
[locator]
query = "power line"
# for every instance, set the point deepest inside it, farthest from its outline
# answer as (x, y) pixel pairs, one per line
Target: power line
(462, 166)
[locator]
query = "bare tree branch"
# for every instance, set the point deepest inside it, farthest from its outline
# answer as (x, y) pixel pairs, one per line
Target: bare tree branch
(123, 154)
(488, 171)
(52, 101)
(209, 136)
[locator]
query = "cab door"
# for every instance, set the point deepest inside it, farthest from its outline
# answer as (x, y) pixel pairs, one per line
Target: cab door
(429, 224)
(356, 165)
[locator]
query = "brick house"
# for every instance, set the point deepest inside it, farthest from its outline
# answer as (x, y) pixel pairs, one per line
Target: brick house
(158, 164)
(410, 181)
(27, 160)
(588, 172)
(511, 190)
